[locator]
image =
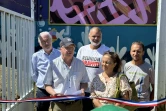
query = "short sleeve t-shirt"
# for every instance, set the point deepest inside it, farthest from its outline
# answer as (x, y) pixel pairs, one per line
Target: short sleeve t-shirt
(143, 76)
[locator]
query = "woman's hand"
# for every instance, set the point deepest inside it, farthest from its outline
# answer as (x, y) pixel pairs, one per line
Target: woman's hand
(97, 103)
(125, 96)
(118, 104)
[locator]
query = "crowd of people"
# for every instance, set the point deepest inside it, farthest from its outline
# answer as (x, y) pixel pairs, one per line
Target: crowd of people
(92, 73)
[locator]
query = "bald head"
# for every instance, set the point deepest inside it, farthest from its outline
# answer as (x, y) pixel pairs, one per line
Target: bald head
(95, 37)
(95, 29)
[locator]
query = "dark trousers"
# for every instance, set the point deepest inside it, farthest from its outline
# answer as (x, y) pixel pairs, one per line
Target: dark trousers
(87, 103)
(67, 106)
(144, 109)
(42, 106)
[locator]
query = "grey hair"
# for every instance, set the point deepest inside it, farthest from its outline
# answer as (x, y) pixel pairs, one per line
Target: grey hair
(45, 33)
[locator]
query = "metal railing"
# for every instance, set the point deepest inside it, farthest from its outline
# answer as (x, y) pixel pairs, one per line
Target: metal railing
(17, 34)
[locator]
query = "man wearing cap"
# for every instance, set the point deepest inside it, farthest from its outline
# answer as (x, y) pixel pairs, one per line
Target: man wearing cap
(67, 75)
(40, 61)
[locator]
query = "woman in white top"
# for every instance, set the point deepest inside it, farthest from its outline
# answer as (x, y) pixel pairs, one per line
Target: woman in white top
(105, 85)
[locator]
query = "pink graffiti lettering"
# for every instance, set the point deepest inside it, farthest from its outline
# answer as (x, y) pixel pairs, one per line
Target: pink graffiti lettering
(109, 12)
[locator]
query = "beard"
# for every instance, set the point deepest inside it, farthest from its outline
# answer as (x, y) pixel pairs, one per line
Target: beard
(136, 59)
(47, 48)
(95, 44)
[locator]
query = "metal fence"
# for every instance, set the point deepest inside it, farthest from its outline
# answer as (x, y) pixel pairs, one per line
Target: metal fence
(17, 34)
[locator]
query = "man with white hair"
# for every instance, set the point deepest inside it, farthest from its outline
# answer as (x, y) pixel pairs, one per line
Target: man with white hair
(91, 55)
(40, 62)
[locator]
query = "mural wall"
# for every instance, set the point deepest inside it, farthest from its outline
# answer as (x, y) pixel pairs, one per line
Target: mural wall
(102, 12)
(118, 38)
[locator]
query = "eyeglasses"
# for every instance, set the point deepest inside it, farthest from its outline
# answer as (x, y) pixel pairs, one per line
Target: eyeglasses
(109, 52)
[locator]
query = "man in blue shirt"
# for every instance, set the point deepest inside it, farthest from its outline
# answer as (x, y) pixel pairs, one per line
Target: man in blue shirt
(40, 61)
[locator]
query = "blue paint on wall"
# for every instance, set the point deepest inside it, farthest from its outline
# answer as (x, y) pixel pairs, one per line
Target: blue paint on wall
(127, 34)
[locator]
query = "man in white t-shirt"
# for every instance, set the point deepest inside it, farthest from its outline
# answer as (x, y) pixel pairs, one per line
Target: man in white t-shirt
(140, 72)
(91, 55)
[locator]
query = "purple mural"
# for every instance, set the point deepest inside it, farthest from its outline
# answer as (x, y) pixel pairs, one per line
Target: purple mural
(108, 12)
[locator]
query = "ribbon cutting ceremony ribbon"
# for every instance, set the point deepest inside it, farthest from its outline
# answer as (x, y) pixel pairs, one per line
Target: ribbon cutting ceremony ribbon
(71, 97)
(57, 98)
(133, 103)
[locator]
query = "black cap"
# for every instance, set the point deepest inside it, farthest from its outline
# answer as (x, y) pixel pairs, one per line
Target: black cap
(66, 42)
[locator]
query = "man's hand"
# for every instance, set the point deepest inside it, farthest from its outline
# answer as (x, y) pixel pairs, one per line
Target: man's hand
(82, 92)
(57, 94)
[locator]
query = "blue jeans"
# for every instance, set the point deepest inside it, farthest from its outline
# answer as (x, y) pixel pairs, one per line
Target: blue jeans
(42, 106)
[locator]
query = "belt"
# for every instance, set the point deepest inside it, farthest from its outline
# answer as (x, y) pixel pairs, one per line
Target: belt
(68, 102)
